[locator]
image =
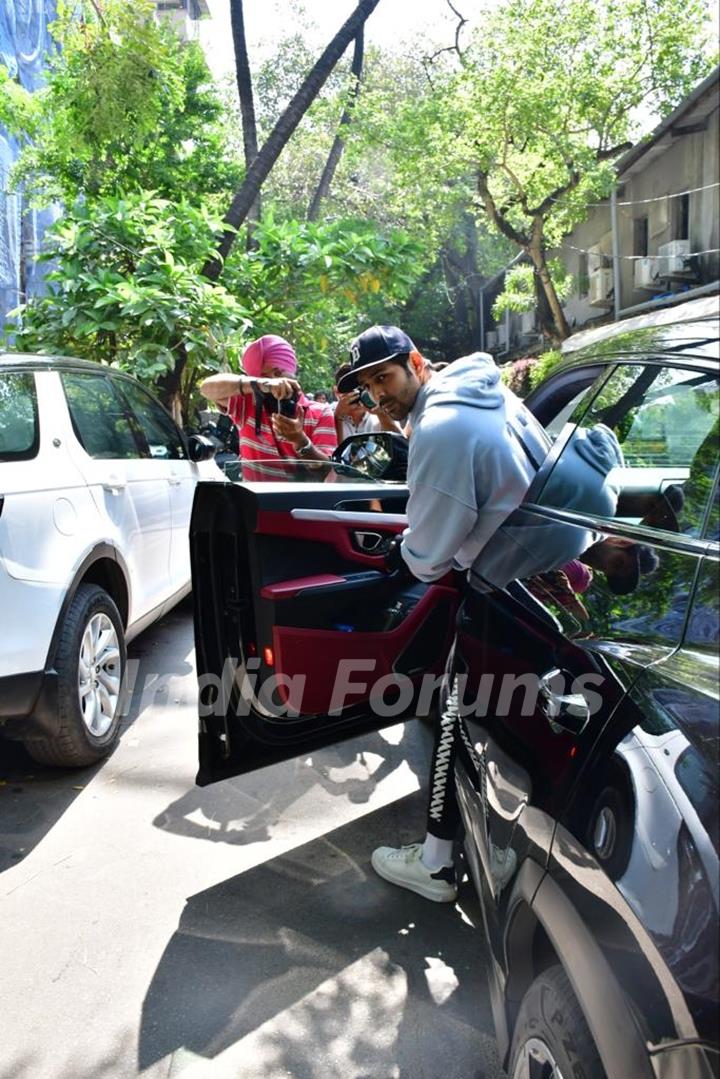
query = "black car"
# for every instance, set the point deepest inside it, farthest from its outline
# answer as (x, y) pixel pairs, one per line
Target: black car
(591, 814)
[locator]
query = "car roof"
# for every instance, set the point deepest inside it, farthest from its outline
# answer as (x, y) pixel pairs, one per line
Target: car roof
(695, 318)
(56, 363)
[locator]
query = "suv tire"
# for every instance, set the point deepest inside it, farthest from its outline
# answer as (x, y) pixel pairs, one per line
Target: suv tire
(90, 663)
(551, 1030)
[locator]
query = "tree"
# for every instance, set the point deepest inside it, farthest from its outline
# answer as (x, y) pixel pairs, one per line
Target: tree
(247, 100)
(284, 128)
(543, 101)
(126, 289)
(338, 145)
(127, 106)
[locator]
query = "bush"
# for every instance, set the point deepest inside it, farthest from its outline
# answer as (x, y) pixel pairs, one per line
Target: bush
(517, 376)
(543, 366)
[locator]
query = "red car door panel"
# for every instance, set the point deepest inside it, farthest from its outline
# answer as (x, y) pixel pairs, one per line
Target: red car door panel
(299, 627)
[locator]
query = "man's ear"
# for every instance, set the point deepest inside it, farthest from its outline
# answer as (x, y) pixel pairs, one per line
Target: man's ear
(417, 362)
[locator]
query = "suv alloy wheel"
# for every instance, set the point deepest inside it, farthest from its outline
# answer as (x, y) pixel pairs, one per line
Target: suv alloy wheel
(90, 663)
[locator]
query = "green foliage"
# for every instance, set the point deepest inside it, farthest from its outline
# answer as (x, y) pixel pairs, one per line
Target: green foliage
(126, 288)
(527, 126)
(317, 284)
(18, 107)
(550, 86)
(519, 292)
(543, 366)
(127, 106)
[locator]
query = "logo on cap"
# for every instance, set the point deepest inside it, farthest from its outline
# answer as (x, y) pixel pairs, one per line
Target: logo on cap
(355, 352)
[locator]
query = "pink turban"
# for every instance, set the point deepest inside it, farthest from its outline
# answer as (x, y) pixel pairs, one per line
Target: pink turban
(272, 350)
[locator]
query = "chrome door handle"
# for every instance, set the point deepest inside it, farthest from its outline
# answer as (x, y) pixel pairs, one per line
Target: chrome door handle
(369, 541)
(568, 712)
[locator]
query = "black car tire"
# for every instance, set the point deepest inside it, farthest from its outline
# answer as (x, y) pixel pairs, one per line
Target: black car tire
(75, 745)
(551, 1025)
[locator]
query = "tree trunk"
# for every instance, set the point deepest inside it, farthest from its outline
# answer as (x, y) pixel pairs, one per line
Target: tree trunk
(338, 145)
(247, 103)
(170, 387)
(284, 128)
(536, 251)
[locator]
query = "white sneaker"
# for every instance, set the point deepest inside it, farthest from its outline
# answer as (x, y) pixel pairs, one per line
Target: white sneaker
(402, 866)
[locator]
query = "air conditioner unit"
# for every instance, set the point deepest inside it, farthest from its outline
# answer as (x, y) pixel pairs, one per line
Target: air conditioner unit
(596, 259)
(601, 286)
(673, 258)
(527, 323)
(646, 273)
(491, 339)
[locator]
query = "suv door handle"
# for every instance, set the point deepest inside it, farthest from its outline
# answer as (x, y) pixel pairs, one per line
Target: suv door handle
(368, 541)
(174, 480)
(114, 484)
(567, 712)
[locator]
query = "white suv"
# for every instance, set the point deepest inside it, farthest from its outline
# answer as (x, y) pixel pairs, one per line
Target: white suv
(96, 489)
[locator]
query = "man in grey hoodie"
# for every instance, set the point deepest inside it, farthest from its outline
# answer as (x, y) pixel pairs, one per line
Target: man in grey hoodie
(474, 452)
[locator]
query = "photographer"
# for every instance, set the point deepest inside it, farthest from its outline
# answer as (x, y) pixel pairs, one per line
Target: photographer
(275, 421)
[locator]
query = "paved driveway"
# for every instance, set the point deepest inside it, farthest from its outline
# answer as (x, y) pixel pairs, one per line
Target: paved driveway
(150, 927)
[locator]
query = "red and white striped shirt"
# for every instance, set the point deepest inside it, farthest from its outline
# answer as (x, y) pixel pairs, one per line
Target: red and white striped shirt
(261, 451)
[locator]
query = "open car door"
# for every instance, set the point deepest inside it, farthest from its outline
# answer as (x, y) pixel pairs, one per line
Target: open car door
(302, 636)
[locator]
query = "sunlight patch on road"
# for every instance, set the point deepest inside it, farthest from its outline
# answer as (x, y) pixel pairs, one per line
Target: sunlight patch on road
(346, 1028)
(441, 979)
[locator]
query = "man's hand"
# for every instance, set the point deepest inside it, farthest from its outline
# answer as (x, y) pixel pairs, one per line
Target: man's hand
(345, 403)
(291, 430)
(394, 561)
(280, 388)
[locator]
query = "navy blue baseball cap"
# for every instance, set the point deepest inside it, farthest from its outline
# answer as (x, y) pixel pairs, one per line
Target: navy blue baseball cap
(373, 347)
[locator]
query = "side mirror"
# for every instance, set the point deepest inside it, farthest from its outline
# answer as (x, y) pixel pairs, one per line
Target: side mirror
(201, 448)
(379, 455)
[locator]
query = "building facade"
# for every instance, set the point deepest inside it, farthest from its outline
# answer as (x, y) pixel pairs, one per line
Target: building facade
(655, 242)
(25, 44)
(183, 16)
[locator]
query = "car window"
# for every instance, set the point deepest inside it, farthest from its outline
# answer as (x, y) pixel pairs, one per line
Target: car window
(572, 408)
(100, 417)
(644, 451)
(19, 433)
(163, 438)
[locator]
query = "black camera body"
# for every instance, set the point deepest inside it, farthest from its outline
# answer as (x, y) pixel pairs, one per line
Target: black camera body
(285, 407)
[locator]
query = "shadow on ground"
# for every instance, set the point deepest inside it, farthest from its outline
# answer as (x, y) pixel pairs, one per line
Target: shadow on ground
(309, 965)
(33, 797)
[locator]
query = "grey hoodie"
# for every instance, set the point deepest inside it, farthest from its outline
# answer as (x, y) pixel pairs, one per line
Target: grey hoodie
(473, 453)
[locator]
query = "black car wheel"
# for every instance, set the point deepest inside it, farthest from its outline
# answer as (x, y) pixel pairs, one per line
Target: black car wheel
(90, 664)
(552, 1039)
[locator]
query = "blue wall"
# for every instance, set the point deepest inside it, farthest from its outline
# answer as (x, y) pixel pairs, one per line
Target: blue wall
(24, 45)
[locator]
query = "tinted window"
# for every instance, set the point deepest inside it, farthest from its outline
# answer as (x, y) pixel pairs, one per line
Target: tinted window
(163, 437)
(663, 432)
(100, 417)
(18, 416)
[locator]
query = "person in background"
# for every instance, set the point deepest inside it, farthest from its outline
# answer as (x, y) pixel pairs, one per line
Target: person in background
(321, 397)
(254, 399)
(352, 417)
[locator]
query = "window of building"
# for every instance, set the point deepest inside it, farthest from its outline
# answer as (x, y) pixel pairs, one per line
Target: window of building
(583, 281)
(640, 236)
(681, 218)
